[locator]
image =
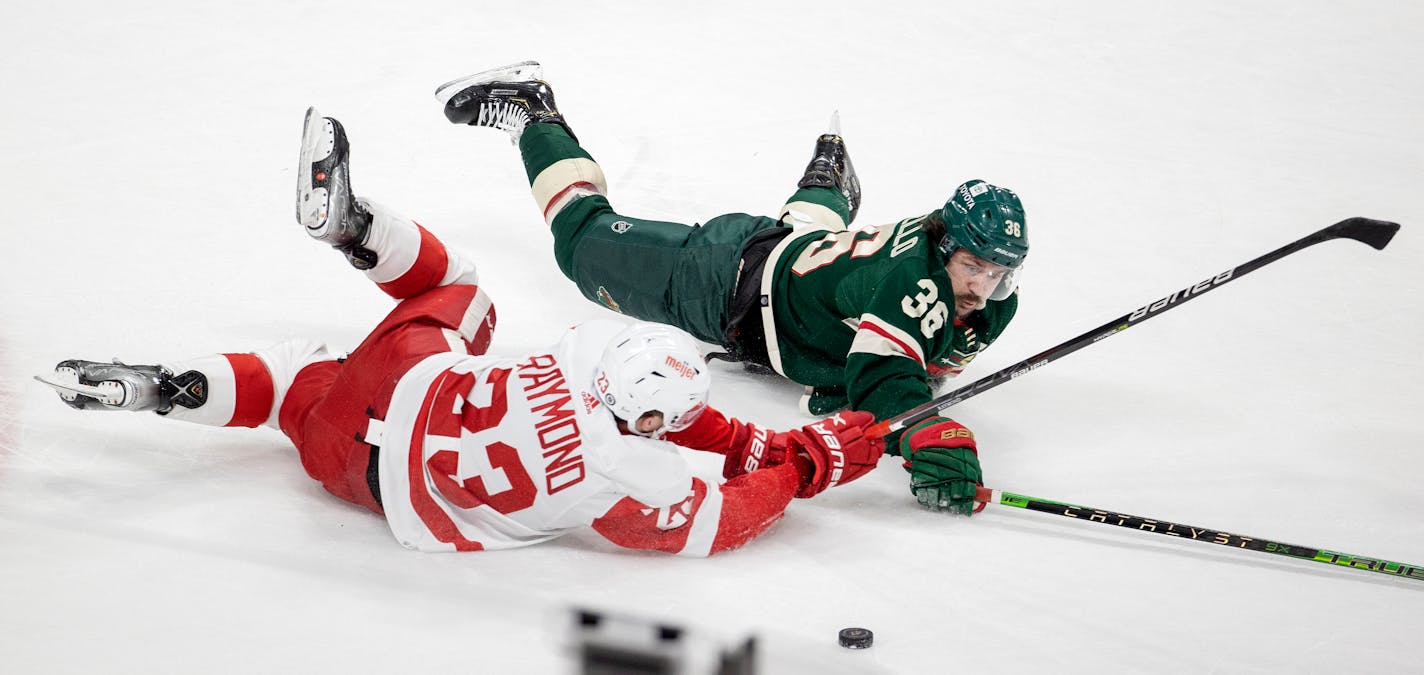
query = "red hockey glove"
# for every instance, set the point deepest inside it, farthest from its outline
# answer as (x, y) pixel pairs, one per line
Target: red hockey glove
(943, 462)
(752, 447)
(747, 447)
(837, 448)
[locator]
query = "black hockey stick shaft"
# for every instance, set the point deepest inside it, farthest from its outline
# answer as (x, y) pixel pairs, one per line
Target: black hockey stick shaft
(1376, 233)
(1202, 534)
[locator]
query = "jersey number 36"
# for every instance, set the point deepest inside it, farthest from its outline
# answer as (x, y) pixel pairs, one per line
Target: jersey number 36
(927, 307)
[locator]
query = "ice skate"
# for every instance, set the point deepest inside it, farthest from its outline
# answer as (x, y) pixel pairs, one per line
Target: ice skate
(830, 167)
(90, 385)
(325, 205)
(509, 98)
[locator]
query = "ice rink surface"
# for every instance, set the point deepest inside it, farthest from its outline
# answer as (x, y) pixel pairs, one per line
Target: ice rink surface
(147, 161)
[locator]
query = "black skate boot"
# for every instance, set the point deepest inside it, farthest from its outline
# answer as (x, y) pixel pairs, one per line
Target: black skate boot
(830, 167)
(325, 205)
(822, 401)
(89, 385)
(509, 98)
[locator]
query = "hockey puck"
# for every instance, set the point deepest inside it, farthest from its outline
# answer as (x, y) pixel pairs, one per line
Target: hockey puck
(856, 638)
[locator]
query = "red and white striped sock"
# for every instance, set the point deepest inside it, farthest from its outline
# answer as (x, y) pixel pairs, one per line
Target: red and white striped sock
(246, 390)
(411, 260)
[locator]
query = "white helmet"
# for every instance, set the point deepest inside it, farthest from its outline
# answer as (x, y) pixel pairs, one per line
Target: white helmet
(653, 368)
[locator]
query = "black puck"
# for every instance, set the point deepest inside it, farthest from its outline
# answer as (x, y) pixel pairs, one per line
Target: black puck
(856, 638)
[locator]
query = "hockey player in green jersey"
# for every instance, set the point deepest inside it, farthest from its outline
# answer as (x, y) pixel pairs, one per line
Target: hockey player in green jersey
(864, 318)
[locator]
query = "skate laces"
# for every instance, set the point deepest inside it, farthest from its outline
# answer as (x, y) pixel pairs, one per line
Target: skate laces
(503, 115)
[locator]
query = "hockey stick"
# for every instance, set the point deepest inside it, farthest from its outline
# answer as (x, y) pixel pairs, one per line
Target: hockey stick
(1376, 233)
(1090, 514)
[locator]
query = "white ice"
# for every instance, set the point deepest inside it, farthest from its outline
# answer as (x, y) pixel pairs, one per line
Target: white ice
(147, 157)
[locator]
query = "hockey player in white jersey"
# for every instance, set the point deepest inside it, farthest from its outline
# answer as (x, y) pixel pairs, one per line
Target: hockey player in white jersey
(466, 451)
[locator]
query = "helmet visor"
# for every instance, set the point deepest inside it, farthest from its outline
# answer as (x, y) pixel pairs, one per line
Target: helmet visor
(981, 274)
(1007, 284)
(684, 420)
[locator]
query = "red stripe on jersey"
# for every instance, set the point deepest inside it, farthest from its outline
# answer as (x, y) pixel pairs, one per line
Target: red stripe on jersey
(583, 184)
(254, 390)
(479, 344)
(751, 503)
(429, 268)
(907, 349)
(937, 370)
(435, 518)
(633, 524)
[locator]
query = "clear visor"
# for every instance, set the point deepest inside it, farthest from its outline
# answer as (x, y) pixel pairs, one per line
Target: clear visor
(1003, 280)
(665, 424)
(685, 420)
(1007, 284)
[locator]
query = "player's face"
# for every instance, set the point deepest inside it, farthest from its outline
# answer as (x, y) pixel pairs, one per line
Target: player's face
(649, 422)
(973, 278)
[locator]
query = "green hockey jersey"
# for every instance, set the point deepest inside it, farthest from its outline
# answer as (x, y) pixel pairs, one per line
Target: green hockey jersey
(873, 311)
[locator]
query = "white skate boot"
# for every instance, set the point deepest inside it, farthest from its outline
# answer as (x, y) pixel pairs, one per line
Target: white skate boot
(90, 385)
(325, 205)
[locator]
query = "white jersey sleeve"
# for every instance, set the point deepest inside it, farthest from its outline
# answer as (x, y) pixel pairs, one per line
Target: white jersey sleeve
(650, 471)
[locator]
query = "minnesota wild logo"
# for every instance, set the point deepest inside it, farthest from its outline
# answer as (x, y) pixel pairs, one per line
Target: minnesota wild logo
(607, 299)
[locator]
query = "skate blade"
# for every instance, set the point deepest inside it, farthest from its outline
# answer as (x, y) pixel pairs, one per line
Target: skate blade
(108, 393)
(524, 71)
(318, 142)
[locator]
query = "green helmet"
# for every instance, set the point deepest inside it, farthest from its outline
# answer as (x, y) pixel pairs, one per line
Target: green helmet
(988, 221)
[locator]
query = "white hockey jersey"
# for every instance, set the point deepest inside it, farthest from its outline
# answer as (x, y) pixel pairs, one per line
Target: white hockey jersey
(482, 453)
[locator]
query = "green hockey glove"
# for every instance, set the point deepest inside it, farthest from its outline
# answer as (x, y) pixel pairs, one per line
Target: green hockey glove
(943, 462)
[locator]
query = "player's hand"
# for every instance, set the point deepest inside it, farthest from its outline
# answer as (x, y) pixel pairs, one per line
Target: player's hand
(943, 462)
(837, 448)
